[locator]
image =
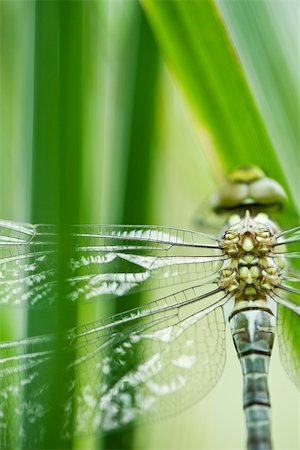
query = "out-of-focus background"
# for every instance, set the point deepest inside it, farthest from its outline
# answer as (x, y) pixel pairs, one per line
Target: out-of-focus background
(116, 111)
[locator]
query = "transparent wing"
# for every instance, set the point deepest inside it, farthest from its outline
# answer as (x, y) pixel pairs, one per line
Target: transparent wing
(106, 260)
(289, 236)
(290, 282)
(287, 296)
(288, 243)
(287, 253)
(141, 365)
(288, 329)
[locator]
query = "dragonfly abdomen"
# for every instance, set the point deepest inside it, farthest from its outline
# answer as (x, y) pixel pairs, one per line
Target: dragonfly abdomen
(253, 332)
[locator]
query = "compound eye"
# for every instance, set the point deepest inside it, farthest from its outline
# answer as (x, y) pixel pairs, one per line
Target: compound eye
(229, 196)
(267, 192)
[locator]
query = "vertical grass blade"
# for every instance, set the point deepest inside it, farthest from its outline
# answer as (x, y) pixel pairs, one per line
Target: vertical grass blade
(58, 118)
(142, 128)
(139, 151)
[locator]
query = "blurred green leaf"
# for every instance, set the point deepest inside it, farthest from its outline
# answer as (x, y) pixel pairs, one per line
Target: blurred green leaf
(202, 57)
(266, 37)
(140, 48)
(57, 165)
(16, 93)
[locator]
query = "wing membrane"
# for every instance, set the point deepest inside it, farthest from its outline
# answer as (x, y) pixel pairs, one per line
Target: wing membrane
(288, 329)
(140, 235)
(288, 243)
(105, 260)
(141, 365)
(291, 235)
(291, 281)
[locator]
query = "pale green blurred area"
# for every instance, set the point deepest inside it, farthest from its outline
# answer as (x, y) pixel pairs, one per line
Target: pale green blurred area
(110, 116)
(16, 90)
(16, 109)
(185, 168)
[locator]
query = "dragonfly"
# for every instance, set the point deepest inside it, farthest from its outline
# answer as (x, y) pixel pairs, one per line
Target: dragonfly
(153, 360)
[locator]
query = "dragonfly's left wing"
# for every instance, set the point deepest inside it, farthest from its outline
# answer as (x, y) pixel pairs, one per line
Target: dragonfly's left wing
(141, 365)
(104, 260)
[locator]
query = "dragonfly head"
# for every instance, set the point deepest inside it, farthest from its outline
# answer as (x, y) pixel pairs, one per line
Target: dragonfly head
(248, 188)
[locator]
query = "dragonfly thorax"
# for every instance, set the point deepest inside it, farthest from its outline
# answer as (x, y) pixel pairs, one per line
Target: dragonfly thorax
(251, 270)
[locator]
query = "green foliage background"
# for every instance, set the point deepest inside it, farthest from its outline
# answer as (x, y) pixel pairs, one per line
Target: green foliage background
(124, 112)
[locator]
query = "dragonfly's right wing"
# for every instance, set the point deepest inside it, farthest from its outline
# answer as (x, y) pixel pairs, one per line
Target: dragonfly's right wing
(287, 296)
(288, 327)
(292, 235)
(288, 243)
(104, 260)
(141, 365)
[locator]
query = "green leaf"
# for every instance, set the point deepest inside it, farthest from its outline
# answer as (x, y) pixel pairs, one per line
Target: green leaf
(202, 57)
(266, 37)
(57, 157)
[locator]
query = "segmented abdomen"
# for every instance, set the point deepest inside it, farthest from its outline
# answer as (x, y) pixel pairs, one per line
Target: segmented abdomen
(253, 332)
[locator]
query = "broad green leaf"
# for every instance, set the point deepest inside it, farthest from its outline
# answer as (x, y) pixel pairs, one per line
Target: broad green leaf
(266, 37)
(202, 57)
